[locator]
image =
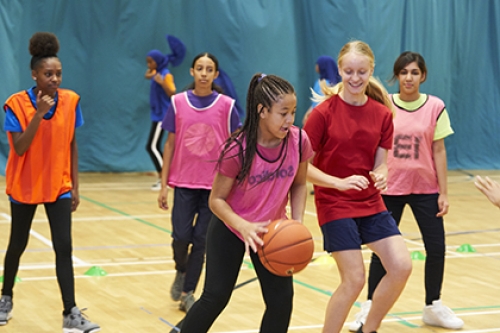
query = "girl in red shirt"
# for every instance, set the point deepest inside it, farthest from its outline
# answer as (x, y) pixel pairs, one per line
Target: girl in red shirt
(350, 132)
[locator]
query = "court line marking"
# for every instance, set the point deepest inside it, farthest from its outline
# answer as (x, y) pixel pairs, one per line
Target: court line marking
(387, 320)
(137, 262)
(125, 214)
(45, 241)
(153, 225)
(103, 218)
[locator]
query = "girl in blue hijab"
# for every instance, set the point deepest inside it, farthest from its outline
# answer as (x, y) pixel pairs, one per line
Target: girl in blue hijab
(162, 87)
(328, 71)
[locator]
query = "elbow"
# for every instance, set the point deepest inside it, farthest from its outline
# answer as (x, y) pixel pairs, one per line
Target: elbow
(211, 202)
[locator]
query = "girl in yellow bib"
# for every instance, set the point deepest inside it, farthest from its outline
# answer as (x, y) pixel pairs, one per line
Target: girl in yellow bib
(417, 177)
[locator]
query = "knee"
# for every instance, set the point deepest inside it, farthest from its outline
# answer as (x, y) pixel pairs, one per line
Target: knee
(216, 300)
(402, 270)
(182, 238)
(199, 244)
(281, 300)
(63, 247)
(354, 282)
(16, 248)
(435, 249)
(375, 260)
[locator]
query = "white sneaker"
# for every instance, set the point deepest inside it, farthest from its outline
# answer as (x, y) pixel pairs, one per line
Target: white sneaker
(442, 316)
(360, 316)
(156, 186)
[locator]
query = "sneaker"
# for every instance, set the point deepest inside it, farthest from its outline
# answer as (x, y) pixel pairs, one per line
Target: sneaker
(5, 309)
(442, 316)
(75, 322)
(360, 316)
(156, 186)
(187, 302)
(360, 330)
(176, 289)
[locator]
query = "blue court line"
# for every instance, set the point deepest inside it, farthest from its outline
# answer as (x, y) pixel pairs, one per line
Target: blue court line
(174, 328)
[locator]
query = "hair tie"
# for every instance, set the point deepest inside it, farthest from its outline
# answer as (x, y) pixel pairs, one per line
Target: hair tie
(262, 76)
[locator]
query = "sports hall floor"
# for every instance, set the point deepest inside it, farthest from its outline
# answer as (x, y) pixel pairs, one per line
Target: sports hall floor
(119, 231)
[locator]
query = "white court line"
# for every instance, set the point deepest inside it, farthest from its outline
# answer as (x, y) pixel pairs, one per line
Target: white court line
(117, 188)
(100, 264)
(44, 240)
(408, 319)
(47, 278)
(103, 218)
(110, 186)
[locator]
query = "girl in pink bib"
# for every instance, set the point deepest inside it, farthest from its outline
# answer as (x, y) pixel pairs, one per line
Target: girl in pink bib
(198, 121)
(260, 166)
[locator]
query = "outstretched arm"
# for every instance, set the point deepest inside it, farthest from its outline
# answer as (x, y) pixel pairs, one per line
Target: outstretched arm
(490, 188)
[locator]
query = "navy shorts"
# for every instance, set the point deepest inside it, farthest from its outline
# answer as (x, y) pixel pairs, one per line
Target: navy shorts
(351, 233)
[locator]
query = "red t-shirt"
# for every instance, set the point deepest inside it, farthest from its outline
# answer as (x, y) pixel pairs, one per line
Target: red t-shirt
(345, 139)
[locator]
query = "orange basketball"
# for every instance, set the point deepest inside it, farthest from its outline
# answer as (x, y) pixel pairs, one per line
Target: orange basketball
(288, 247)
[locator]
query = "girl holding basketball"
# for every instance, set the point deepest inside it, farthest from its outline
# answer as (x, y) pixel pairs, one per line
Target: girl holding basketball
(198, 122)
(261, 165)
(350, 132)
(418, 177)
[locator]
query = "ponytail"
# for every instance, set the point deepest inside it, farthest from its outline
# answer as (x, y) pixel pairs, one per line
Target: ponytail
(377, 91)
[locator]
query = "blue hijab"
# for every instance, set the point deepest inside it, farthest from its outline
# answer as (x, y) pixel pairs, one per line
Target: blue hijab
(224, 81)
(175, 58)
(157, 98)
(328, 70)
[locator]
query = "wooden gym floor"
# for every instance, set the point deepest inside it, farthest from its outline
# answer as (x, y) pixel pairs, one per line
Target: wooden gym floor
(119, 230)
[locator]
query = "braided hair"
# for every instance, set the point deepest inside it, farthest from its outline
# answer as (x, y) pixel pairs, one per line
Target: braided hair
(263, 92)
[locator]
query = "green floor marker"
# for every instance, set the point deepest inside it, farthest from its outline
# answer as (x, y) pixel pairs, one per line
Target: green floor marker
(417, 255)
(17, 279)
(466, 248)
(96, 271)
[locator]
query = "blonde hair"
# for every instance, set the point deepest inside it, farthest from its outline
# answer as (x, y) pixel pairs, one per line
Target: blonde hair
(375, 89)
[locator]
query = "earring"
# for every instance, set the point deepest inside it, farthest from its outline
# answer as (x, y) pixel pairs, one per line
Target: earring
(34, 78)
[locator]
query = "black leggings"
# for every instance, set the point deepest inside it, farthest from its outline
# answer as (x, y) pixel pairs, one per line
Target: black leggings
(59, 215)
(153, 147)
(424, 208)
(224, 257)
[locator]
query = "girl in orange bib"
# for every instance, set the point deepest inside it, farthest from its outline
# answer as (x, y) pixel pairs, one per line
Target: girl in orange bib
(42, 168)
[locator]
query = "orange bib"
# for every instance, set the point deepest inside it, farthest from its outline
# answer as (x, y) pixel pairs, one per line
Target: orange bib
(43, 172)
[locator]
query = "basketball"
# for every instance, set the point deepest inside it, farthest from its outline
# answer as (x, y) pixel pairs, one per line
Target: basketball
(288, 247)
